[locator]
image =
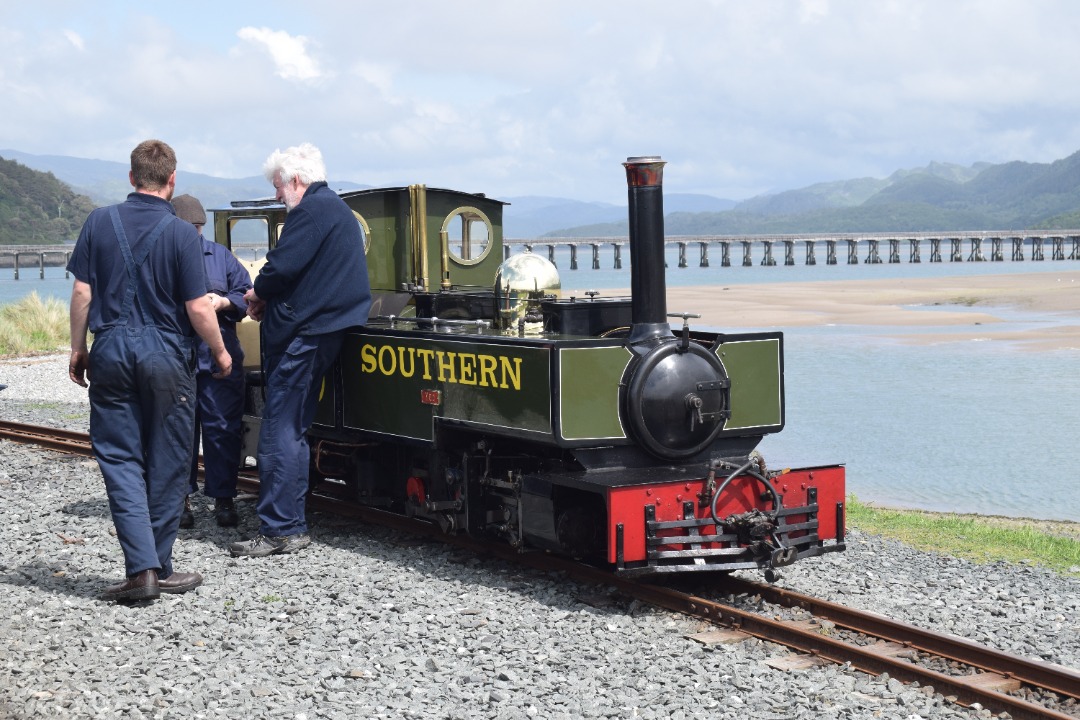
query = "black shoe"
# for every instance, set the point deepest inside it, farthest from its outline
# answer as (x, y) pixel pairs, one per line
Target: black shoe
(140, 586)
(226, 512)
(187, 518)
(261, 546)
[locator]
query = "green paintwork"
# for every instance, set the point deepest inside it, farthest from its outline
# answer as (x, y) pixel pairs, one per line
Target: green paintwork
(494, 384)
(389, 257)
(754, 369)
(589, 392)
(387, 215)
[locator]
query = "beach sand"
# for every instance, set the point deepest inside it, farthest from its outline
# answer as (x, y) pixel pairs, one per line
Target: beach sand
(968, 308)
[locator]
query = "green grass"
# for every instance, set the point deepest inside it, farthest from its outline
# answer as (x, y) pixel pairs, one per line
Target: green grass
(973, 537)
(33, 326)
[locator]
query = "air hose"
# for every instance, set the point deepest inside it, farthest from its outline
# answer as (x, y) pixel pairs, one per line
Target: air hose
(745, 467)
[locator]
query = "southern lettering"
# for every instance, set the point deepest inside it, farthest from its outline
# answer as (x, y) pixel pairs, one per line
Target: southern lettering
(495, 371)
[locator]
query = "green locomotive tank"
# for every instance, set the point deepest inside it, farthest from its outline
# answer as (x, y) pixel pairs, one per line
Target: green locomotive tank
(478, 397)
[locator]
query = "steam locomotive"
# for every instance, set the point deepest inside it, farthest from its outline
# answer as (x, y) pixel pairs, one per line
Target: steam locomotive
(481, 398)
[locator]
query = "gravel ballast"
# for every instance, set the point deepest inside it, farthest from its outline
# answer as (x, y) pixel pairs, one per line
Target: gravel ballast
(370, 623)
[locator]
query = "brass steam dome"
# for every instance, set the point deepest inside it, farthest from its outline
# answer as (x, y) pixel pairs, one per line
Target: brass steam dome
(521, 278)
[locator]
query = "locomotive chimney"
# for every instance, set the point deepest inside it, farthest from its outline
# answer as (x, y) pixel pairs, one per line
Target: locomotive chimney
(648, 286)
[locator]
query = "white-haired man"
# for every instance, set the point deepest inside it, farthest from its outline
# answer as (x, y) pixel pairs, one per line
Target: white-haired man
(312, 288)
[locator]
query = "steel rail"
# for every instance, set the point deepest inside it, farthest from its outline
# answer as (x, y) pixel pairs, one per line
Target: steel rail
(1000, 670)
(1059, 679)
(67, 441)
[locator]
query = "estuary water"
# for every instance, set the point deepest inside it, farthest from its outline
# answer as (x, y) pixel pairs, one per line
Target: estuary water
(960, 427)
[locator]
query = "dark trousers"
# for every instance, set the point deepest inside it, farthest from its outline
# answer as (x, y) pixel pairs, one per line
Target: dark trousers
(142, 416)
(293, 384)
(218, 417)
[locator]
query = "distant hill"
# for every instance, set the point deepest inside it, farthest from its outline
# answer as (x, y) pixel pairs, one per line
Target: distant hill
(36, 208)
(938, 197)
(531, 217)
(105, 182)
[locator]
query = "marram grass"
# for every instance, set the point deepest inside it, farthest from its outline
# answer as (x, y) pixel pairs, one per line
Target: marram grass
(33, 325)
(974, 537)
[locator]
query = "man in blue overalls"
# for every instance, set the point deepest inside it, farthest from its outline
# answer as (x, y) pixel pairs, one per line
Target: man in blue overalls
(220, 409)
(140, 288)
(313, 286)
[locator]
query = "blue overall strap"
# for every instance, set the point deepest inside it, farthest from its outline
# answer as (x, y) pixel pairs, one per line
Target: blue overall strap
(132, 264)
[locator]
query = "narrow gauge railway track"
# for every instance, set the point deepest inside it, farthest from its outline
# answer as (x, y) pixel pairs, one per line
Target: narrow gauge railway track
(67, 441)
(874, 644)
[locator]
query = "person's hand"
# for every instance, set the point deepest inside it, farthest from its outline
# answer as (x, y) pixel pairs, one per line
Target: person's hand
(77, 366)
(256, 306)
(216, 301)
(223, 361)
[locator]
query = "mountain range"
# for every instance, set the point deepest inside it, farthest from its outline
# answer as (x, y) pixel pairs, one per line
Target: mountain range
(937, 197)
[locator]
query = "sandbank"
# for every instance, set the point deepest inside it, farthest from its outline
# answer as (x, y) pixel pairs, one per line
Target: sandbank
(1036, 311)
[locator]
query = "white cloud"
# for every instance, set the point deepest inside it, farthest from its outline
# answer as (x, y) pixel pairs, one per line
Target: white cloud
(544, 97)
(75, 39)
(288, 52)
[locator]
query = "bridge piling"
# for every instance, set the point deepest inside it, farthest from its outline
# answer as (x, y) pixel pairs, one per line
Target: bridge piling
(872, 257)
(957, 252)
(976, 254)
(768, 260)
(894, 250)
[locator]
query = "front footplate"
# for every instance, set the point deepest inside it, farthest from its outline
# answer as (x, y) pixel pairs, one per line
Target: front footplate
(698, 544)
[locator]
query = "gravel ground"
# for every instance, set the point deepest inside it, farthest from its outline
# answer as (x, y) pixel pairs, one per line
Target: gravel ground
(371, 623)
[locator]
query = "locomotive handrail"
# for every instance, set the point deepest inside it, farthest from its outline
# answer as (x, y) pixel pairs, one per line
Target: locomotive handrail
(435, 321)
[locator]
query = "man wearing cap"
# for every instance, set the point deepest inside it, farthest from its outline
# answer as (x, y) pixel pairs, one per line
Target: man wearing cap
(140, 288)
(220, 408)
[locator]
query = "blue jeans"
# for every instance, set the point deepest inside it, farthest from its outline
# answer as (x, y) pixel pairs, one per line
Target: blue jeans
(142, 419)
(293, 381)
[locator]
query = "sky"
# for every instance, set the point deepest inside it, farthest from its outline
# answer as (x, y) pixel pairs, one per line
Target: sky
(525, 97)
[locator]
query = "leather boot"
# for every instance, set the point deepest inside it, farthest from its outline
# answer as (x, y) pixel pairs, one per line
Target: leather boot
(187, 518)
(140, 586)
(179, 583)
(226, 512)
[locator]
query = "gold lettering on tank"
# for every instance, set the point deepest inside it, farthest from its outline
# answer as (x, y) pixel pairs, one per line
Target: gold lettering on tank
(458, 368)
